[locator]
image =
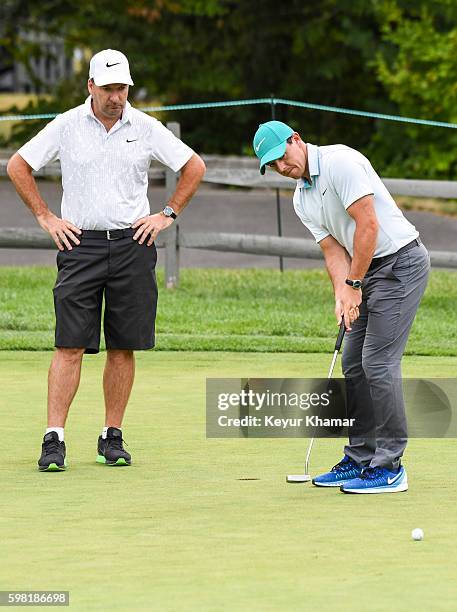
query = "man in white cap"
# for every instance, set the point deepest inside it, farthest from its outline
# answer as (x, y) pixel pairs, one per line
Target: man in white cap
(105, 238)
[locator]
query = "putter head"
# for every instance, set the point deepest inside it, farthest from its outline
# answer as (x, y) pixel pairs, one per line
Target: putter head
(298, 478)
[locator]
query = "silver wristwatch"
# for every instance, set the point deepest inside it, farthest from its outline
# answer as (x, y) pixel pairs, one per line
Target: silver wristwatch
(169, 212)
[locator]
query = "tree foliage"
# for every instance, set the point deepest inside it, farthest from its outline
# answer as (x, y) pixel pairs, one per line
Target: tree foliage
(390, 56)
(418, 69)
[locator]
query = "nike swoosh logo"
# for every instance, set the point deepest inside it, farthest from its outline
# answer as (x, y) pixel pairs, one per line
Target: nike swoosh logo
(258, 146)
(324, 192)
(392, 480)
(111, 65)
(133, 140)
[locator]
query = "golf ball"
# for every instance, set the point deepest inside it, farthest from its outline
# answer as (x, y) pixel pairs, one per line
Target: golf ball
(417, 534)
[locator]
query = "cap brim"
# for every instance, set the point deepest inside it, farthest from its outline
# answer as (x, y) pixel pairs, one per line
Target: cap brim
(272, 154)
(112, 77)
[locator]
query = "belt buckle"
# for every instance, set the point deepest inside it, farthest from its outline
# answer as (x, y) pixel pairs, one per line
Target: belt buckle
(108, 234)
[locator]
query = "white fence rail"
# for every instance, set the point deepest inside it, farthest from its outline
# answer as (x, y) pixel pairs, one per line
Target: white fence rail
(255, 244)
(240, 172)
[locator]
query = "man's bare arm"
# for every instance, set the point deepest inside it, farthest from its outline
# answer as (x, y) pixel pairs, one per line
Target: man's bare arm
(365, 236)
(192, 173)
(338, 264)
(21, 175)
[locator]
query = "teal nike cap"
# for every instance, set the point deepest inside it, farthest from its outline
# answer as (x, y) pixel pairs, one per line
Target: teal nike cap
(270, 141)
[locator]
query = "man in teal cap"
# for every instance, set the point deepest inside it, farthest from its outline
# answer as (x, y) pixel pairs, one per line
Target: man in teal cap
(270, 142)
(379, 269)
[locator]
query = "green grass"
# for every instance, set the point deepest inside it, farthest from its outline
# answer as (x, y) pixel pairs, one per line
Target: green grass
(230, 310)
(179, 530)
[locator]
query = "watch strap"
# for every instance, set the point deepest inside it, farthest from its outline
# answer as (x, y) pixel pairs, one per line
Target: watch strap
(355, 284)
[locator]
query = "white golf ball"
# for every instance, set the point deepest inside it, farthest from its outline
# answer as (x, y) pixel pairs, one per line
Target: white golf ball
(417, 534)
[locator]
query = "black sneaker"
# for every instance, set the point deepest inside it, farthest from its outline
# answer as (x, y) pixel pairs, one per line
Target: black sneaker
(110, 449)
(52, 454)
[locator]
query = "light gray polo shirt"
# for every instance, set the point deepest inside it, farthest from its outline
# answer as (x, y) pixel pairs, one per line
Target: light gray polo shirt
(340, 176)
(105, 174)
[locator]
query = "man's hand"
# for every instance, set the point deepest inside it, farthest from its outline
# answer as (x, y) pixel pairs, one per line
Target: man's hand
(61, 231)
(347, 304)
(150, 226)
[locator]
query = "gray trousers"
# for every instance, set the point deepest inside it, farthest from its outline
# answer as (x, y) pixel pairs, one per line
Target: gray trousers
(372, 357)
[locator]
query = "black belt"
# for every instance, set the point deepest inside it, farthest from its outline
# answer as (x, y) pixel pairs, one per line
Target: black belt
(114, 234)
(377, 261)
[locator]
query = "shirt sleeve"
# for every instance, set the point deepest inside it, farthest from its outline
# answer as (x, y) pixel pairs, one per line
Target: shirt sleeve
(317, 231)
(349, 178)
(44, 147)
(167, 148)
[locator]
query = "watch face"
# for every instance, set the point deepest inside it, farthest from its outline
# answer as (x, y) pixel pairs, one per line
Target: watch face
(357, 284)
(168, 211)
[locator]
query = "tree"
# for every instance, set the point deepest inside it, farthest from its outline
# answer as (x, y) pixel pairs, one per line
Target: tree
(390, 56)
(198, 50)
(418, 68)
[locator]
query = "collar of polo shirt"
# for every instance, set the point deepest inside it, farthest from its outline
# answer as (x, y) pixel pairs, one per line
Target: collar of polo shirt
(125, 113)
(313, 165)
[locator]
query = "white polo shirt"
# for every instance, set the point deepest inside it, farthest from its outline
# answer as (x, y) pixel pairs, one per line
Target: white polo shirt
(105, 174)
(340, 176)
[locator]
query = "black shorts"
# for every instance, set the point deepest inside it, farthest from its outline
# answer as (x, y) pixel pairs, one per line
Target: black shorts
(122, 271)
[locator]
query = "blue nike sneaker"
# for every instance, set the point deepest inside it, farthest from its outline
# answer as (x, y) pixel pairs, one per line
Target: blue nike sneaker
(377, 480)
(344, 471)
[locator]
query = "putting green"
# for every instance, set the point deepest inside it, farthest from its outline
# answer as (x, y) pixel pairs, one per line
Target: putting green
(181, 530)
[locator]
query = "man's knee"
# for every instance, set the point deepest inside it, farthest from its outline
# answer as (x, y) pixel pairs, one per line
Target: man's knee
(351, 365)
(119, 356)
(380, 366)
(69, 355)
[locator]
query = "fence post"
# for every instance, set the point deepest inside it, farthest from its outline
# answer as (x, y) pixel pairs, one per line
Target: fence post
(278, 196)
(171, 235)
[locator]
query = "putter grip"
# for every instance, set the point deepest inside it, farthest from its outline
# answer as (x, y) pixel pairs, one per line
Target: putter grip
(339, 340)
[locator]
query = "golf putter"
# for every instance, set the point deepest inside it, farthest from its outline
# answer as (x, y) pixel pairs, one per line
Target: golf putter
(298, 478)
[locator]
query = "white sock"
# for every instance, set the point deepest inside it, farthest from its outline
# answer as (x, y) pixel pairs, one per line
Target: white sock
(104, 433)
(59, 431)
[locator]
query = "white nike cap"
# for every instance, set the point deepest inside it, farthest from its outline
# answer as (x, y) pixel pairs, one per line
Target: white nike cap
(109, 66)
